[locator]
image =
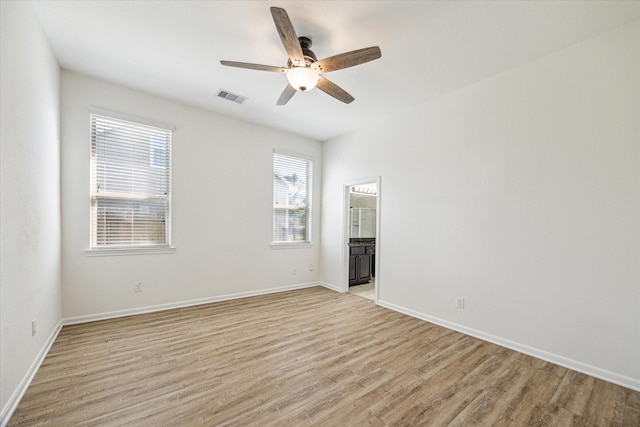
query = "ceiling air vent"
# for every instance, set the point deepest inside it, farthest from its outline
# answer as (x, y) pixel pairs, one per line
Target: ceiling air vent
(238, 99)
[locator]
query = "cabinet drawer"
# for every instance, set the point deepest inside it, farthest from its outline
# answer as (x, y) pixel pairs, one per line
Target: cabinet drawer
(357, 250)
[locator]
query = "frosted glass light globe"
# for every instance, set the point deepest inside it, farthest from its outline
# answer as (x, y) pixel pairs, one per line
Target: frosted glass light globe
(302, 78)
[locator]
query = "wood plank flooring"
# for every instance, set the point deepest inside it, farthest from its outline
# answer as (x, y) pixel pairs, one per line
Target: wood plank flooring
(307, 357)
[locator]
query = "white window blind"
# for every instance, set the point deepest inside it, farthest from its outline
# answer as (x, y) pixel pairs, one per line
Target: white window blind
(292, 178)
(130, 184)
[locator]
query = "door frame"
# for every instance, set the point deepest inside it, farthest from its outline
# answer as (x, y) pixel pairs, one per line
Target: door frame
(345, 233)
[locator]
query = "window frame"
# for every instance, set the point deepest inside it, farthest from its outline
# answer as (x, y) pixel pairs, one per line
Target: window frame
(130, 249)
(308, 242)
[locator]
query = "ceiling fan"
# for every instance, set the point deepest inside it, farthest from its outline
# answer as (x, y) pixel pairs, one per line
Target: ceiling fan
(304, 71)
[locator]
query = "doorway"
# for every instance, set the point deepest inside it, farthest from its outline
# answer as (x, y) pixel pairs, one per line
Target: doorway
(361, 243)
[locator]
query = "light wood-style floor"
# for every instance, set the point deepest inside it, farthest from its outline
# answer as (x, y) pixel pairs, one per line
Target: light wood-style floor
(366, 290)
(307, 357)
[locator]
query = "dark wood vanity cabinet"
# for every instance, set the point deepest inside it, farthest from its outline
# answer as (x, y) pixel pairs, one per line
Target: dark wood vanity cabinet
(360, 264)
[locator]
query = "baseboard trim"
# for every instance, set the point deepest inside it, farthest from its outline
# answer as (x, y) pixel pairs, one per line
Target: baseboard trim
(575, 365)
(19, 392)
(170, 306)
(332, 287)
(13, 402)
(593, 371)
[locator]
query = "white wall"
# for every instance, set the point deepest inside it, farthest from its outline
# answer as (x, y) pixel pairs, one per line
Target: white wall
(222, 201)
(30, 285)
(520, 194)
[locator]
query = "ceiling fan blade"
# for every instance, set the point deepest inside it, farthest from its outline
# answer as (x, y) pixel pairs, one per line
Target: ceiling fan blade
(254, 66)
(347, 59)
(286, 95)
(334, 90)
(288, 36)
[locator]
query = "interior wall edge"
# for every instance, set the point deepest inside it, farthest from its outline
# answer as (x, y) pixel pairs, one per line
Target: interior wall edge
(332, 287)
(603, 374)
(19, 392)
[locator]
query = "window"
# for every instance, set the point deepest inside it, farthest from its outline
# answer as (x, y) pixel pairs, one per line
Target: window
(292, 176)
(130, 184)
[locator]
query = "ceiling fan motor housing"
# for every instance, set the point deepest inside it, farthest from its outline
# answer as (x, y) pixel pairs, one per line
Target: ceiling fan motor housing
(309, 56)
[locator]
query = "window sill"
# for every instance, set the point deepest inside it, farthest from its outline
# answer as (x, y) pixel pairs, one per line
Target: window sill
(291, 245)
(141, 250)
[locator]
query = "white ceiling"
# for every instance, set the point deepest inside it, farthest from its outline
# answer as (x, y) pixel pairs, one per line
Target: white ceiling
(429, 48)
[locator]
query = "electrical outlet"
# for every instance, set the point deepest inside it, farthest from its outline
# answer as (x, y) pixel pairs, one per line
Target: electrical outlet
(460, 303)
(33, 327)
(294, 271)
(137, 287)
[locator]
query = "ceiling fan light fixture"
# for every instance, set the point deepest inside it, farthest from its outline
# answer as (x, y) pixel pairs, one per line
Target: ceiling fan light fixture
(303, 69)
(302, 79)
